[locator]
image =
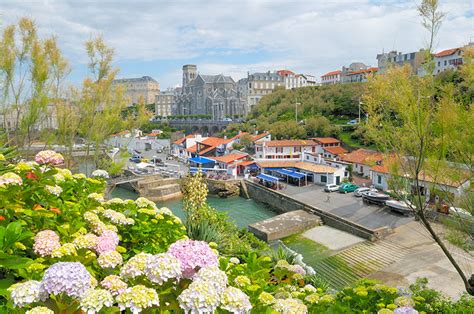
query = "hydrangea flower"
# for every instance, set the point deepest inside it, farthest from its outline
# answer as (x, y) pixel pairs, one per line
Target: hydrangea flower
(135, 266)
(66, 249)
(107, 242)
(66, 173)
(404, 301)
(214, 276)
(266, 298)
(290, 306)
(114, 284)
(70, 278)
(100, 173)
(297, 269)
(242, 281)
(27, 292)
(58, 177)
(405, 310)
(96, 196)
(23, 166)
(109, 259)
(143, 202)
(39, 310)
(86, 241)
(384, 311)
(46, 242)
(235, 301)
(199, 297)
(234, 260)
(312, 298)
(117, 218)
(193, 255)
(309, 288)
(10, 178)
(162, 267)
(49, 157)
(138, 298)
(115, 200)
(93, 300)
(166, 211)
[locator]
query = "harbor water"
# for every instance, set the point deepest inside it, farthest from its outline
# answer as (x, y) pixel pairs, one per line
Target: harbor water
(242, 212)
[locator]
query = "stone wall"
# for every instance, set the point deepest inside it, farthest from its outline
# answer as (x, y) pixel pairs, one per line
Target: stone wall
(285, 203)
(224, 188)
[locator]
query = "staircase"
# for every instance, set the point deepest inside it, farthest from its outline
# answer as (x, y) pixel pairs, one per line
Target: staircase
(359, 261)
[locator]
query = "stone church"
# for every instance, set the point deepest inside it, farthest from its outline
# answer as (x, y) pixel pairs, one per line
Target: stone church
(213, 95)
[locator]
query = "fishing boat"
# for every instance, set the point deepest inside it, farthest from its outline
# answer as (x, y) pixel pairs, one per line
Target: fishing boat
(375, 197)
(402, 207)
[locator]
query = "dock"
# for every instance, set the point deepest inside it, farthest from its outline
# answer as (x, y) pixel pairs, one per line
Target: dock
(284, 225)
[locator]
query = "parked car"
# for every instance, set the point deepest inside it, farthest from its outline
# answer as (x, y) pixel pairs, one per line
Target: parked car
(358, 192)
(331, 187)
(352, 122)
(348, 187)
(136, 159)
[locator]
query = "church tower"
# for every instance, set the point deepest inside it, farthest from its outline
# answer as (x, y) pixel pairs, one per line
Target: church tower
(189, 74)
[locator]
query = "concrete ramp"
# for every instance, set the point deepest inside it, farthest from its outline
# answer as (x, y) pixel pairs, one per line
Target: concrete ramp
(284, 225)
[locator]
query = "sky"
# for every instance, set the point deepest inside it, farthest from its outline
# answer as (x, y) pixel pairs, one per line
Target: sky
(156, 38)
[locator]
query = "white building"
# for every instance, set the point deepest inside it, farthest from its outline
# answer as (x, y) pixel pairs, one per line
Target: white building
(363, 160)
(330, 78)
(284, 149)
(449, 59)
(293, 80)
(180, 148)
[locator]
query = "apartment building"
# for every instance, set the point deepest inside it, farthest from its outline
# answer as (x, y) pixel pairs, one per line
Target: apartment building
(261, 84)
(284, 149)
(136, 88)
(293, 80)
(397, 58)
(165, 102)
(330, 78)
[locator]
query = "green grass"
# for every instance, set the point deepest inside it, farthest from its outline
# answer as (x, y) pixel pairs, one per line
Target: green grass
(312, 251)
(346, 138)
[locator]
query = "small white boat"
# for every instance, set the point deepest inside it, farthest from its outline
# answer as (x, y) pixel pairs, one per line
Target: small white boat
(402, 207)
(375, 197)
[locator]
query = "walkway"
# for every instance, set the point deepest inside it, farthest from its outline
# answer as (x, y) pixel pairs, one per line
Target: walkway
(347, 206)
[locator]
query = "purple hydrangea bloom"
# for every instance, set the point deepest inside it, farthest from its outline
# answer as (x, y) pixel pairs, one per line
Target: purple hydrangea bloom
(193, 256)
(71, 278)
(405, 310)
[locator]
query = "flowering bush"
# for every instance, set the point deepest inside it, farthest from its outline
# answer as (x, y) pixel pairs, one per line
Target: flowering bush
(67, 249)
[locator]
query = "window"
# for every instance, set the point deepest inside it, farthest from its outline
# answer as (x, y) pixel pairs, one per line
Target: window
(324, 179)
(297, 149)
(259, 148)
(439, 63)
(445, 62)
(379, 179)
(361, 169)
(307, 157)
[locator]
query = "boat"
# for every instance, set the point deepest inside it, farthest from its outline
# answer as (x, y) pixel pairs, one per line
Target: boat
(402, 207)
(375, 197)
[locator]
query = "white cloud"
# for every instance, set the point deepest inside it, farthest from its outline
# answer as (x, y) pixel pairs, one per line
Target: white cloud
(227, 36)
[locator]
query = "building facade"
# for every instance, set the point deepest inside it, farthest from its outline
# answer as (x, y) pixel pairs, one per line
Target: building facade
(284, 149)
(330, 78)
(261, 84)
(143, 87)
(450, 59)
(214, 95)
(293, 80)
(394, 58)
(165, 102)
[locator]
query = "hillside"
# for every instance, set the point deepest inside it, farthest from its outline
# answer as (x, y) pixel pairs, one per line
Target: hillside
(322, 110)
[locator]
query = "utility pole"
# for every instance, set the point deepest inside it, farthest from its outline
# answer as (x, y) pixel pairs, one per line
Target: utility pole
(360, 103)
(296, 110)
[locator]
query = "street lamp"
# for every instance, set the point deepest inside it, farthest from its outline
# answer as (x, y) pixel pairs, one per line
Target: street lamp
(296, 111)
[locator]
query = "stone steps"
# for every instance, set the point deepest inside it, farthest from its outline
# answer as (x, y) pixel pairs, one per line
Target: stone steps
(359, 261)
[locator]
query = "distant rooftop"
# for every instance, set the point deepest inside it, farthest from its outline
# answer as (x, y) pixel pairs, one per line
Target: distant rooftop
(136, 79)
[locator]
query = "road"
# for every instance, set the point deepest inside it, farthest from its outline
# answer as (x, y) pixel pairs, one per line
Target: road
(347, 206)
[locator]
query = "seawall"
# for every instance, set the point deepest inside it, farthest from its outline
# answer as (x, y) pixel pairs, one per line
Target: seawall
(284, 203)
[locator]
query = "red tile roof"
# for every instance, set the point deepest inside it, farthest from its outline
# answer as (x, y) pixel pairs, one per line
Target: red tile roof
(285, 72)
(326, 140)
(369, 70)
(335, 150)
(181, 140)
(229, 158)
(363, 156)
(288, 143)
(214, 141)
(206, 150)
(332, 73)
(380, 168)
(246, 163)
(446, 52)
(256, 137)
(192, 149)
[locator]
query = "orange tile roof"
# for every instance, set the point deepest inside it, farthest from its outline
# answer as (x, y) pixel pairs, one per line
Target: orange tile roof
(335, 150)
(446, 52)
(181, 140)
(285, 72)
(256, 137)
(214, 141)
(284, 143)
(332, 73)
(153, 134)
(192, 149)
(380, 168)
(229, 158)
(206, 150)
(369, 70)
(246, 162)
(363, 156)
(326, 140)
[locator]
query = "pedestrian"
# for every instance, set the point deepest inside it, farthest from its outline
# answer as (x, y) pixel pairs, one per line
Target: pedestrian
(328, 197)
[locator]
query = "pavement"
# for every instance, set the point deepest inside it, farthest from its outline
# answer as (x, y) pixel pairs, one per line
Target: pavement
(169, 164)
(332, 238)
(347, 206)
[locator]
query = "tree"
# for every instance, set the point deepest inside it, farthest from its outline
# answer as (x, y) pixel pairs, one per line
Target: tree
(32, 71)
(426, 139)
(432, 19)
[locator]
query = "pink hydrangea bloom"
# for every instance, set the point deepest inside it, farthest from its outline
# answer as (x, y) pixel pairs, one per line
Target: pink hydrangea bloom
(107, 242)
(46, 242)
(193, 256)
(49, 157)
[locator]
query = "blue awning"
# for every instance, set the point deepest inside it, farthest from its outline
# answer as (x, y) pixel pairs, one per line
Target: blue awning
(201, 160)
(267, 177)
(292, 174)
